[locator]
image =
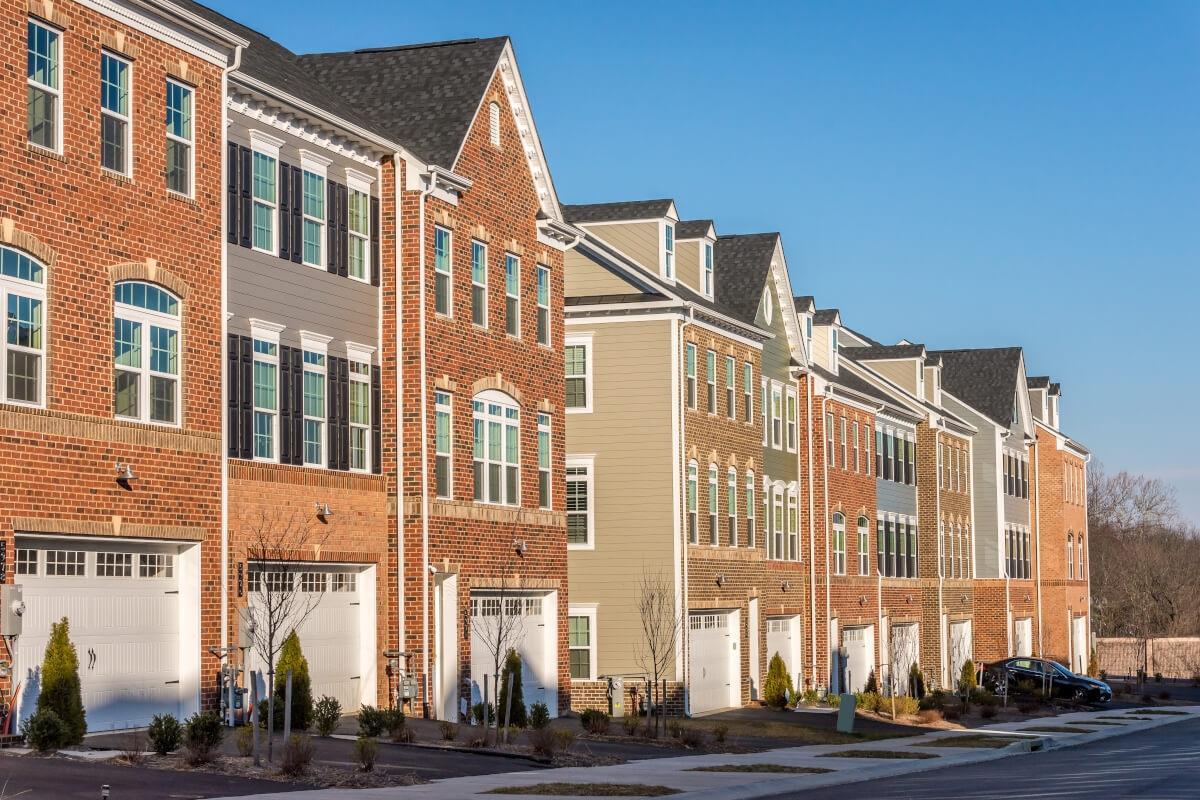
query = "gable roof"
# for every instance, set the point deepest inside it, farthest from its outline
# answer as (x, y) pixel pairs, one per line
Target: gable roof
(617, 212)
(1038, 382)
(424, 95)
(693, 228)
(804, 303)
(985, 379)
(742, 263)
(881, 352)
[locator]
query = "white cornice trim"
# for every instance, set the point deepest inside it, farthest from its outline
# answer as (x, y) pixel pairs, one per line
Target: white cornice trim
(141, 16)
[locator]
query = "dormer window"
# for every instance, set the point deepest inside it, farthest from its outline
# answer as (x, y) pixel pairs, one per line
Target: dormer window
(1014, 411)
(669, 251)
(808, 330)
(833, 348)
(706, 269)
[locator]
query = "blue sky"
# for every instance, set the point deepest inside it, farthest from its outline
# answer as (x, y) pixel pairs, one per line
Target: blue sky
(958, 174)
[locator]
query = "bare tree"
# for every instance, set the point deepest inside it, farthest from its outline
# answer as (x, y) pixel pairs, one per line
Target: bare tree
(655, 650)
(282, 591)
(496, 619)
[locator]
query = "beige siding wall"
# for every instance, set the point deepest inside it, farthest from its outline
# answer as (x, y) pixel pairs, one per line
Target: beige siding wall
(586, 278)
(902, 373)
(820, 346)
(629, 433)
(638, 240)
(687, 263)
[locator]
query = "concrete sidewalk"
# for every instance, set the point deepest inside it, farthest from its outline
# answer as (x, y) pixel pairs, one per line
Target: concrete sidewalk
(676, 772)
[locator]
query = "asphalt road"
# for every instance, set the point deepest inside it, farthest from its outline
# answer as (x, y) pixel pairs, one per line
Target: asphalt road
(1159, 764)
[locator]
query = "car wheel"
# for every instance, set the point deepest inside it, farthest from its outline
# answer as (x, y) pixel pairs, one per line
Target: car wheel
(1079, 696)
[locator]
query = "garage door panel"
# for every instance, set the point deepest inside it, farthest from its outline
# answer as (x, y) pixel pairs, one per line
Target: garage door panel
(859, 643)
(715, 676)
(528, 637)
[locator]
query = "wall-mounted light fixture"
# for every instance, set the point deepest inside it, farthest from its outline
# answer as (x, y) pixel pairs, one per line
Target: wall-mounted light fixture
(720, 579)
(323, 511)
(520, 547)
(125, 473)
(785, 585)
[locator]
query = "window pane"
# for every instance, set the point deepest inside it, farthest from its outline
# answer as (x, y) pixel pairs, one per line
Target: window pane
(313, 441)
(162, 399)
(360, 403)
(264, 435)
(164, 350)
(23, 376)
(179, 110)
(264, 385)
(127, 343)
(125, 393)
(358, 448)
(24, 321)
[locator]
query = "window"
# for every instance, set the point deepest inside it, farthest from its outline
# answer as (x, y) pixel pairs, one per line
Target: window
(70, 563)
(941, 464)
(691, 375)
(829, 452)
(179, 142)
(1025, 478)
(748, 391)
(866, 447)
(766, 307)
(839, 544)
(878, 452)
(1070, 555)
(713, 536)
(910, 447)
(793, 525)
(854, 443)
(360, 415)
(496, 452)
(710, 374)
(911, 528)
(706, 269)
(881, 546)
(833, 348)
(114, 113)
(579, 504)
(543, 442)
(43, 76)
(313, 207)
(313, 582)
(441, 270)
(512, 295)
(264, 191)
(777, 532)
(766, 413)
(479, 284)
(442, 441)
(669, 251)
(343, 582)
(543, 305)
(776, 417)
(314, 381)
(731, 506)
(145, 353)
(845, 447)
(791, 421)
(750, 532)
(864, 546)
(580, 645)
(266, 408)
(692, 522)
(27, 561)
(966, 552)
(358, 213)
(730, 388)
(156, 565)
(1079, 573)
(114, 565)
(578, 352)
(22, 288)
(494, 124)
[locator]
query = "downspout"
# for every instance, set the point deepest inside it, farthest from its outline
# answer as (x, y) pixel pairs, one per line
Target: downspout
(237, 63)
(941, 552)
(812, 538)
(1087, 547)
(1037, 546)
(401, 632)
(425, 565)
(825, 515)
(685, 628)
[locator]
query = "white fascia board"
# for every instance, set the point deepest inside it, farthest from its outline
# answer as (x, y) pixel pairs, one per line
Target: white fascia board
(173, 25)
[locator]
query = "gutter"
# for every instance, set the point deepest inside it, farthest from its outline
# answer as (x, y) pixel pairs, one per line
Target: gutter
(401, 632)
(825, 515)
(425, 565)
(812, 537)
(1037, 520)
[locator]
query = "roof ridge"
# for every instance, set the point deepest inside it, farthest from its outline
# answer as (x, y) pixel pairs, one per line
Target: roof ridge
(747, 235)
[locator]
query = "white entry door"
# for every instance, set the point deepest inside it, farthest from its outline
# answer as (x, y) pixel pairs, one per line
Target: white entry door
(783, 637)
(1023, 629)
(1080, 653)
(121, 599)
(446, 646)
(960, 648)
(714, 662)
(905, 645)
(527, 625)
(755, 644)
(859, 643)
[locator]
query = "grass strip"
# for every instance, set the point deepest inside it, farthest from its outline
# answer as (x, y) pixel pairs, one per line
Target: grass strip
(896, 754)
(1057, 729)
(587, 790)
(974, 740)
(1161, 711)
(783, 768)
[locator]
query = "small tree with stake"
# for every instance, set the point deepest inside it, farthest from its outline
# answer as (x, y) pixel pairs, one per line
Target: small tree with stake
(496, 620)
(280, 596)
(655, 649)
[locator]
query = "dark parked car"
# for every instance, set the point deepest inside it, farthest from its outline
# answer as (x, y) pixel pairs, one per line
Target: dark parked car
(1048, 675)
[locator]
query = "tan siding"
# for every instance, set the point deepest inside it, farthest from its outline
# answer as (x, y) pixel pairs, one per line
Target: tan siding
(901, 373)
(638, 240)
(687, 263)
(585, 278)
(629, 433)
(820, 345)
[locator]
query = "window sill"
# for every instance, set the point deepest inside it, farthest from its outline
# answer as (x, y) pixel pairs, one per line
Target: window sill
(47, 152)
(588, 546)
(182, 198)
(170, 426)
(119, 177)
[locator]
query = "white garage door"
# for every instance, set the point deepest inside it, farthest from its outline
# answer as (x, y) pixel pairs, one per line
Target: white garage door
(859, 643)
(328, 617)
(783, 637)
(122, 601)
(905, 647)
(1024, 636)
(960, 648)
(714, 663)
(1079, 646)
(528, 625)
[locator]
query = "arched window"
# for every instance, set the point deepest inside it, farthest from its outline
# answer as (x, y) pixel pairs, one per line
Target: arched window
(145, 353)
(496, 418)
(751, 533)
(777, 520)
(731, 506)
(839, 544)
(793, 523)
(1079, 561)
(864, 545)
(712, 504)
(23, 286)
(693, 533)
(1070, 555)
(494, 124)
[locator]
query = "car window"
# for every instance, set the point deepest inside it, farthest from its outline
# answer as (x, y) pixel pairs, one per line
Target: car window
(1021, 663)
(1060, 669)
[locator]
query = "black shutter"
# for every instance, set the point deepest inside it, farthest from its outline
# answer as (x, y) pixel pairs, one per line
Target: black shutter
(232, 395)
(244, 190)
(285, 218)
(343, 222)
(376, 264)
(231, 194)
(343, 367)
(331, 230)
(376, 421)
(286, 405)
(246, 386)
(297, 431)
(332, 413)
(297, 179)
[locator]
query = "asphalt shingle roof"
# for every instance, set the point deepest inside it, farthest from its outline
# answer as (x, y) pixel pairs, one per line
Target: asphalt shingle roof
(742, 263)
(984, 379)
(613, 212)
(692, 228)
(804, 303)
(1038, 382)
(425, 96)
(882, 351)
(825, 316)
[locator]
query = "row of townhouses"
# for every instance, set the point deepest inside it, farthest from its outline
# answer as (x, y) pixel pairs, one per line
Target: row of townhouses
(332, 302)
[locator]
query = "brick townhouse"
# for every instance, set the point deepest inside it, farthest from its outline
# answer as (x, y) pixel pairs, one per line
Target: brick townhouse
(110, 266)
(1060, 528)
(473, 360)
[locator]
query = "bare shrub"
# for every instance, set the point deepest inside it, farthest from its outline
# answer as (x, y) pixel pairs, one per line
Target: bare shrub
(298, 754)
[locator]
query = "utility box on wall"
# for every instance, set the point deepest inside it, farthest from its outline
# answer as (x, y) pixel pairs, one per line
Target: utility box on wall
(13, 610)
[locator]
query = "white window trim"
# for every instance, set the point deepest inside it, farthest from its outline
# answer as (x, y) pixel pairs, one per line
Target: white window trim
(587, 462)
(34, 291)
(267, 145)
(539, 270)
(710, 381)
(448, 408)
(585, 610)
(317, 165)
(361, 182)
(56, 91)
(777, 442)
(316, 343)
(191, 143)
(486, 316)
(583, 340)
(494, 124)
(145, 318)
(547, 427)
(267, 332)
(707, 268)
(127, 118)
(839, 556)
(363, 354)
(449, 273)
(507, 296)
(791, 420)
(668, 260)
(748, 394)
(505, 401)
